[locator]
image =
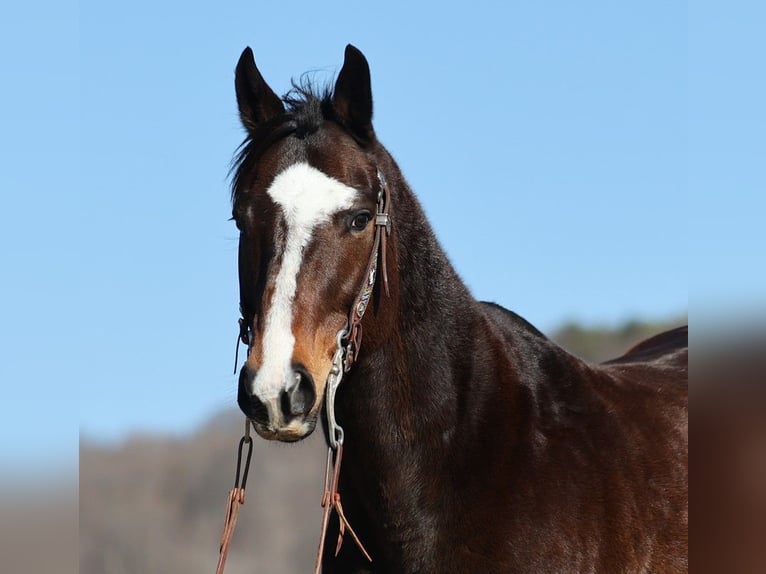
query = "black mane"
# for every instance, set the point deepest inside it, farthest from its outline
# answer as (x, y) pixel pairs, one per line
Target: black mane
(306, 107)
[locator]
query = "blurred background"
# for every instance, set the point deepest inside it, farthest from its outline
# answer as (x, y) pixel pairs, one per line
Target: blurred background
(582, 163)
(154, 503)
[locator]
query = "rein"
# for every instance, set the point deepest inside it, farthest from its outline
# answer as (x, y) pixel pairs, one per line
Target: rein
(348, 340)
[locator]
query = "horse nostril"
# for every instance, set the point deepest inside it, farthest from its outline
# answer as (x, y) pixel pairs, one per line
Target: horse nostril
(250, 404)
(257, 411)
(298, 399)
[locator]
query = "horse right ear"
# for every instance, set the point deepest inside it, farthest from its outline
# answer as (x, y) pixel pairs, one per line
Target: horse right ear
(352, 98)
(256, 100)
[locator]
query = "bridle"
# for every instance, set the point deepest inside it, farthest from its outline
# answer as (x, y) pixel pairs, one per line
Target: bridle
(348, 342)
(349, 338)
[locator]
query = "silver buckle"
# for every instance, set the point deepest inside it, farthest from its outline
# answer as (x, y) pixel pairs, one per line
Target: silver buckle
(382, 219)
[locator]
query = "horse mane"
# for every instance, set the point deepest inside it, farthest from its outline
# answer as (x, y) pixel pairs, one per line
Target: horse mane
(306, 107)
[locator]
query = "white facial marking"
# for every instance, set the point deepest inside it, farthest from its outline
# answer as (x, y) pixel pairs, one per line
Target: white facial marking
(307, 198)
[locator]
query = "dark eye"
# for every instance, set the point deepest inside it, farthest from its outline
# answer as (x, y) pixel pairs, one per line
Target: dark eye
(360, 220)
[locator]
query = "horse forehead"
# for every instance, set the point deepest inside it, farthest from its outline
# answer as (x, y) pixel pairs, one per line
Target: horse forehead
(307, 196)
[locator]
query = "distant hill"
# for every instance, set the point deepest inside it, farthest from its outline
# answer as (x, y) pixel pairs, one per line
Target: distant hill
(155, 505)
(594, 343)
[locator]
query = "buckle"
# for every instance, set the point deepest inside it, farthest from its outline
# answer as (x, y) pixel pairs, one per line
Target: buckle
(383, 220)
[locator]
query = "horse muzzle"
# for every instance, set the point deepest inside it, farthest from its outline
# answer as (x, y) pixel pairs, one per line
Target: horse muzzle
(287, 417)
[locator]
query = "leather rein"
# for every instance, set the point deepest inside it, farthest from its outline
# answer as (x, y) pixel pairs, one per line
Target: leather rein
(348, 340)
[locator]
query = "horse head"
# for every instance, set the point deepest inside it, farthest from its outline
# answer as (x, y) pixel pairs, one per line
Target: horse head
(306, 192)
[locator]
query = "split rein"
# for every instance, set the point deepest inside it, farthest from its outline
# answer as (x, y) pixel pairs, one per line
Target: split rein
(348, 341)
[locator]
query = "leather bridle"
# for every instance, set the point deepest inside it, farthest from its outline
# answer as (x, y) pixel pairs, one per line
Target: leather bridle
(349, 338)
(348, 341)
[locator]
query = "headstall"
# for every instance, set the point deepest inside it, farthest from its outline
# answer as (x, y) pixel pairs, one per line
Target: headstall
(348, 342)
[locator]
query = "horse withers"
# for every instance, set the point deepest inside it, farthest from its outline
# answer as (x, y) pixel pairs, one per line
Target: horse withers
(472, 442)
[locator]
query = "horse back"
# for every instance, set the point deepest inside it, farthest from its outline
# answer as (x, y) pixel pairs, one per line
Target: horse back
(667, 345)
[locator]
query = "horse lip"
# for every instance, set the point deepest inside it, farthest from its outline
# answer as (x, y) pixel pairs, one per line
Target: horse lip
(293, 432)
(265, 431)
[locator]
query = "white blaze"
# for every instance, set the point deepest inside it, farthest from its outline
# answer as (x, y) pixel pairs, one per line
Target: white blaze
(306, 197)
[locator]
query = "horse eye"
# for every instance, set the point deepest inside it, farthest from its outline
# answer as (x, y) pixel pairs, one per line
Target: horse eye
(360, 220)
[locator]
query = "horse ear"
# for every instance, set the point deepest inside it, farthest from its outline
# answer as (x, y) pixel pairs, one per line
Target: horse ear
(352, 98)
(256, 100)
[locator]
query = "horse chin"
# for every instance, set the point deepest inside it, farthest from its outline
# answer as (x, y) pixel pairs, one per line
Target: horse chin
(291, 432)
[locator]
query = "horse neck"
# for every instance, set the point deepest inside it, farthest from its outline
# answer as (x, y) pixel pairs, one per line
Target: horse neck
(419, 326)
(405, 403)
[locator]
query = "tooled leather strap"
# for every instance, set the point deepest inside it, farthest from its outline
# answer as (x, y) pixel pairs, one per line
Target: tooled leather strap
(382, 230)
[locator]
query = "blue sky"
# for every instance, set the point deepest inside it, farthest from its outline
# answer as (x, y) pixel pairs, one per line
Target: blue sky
(578, 161)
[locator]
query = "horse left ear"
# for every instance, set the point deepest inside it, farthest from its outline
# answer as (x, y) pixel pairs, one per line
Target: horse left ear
(352, 98)
(256, 100)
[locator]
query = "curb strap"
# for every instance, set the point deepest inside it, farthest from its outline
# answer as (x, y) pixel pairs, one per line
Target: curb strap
(382, 231)
(236, 498)
(330, 502)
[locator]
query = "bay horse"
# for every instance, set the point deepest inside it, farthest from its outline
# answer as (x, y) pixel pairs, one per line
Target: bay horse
(473, 443)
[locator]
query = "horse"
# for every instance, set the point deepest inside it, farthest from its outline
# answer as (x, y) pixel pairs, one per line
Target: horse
(473, 443)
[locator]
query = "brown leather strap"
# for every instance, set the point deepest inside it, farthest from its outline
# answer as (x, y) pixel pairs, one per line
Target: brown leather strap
(331, 501)
(236, 498)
